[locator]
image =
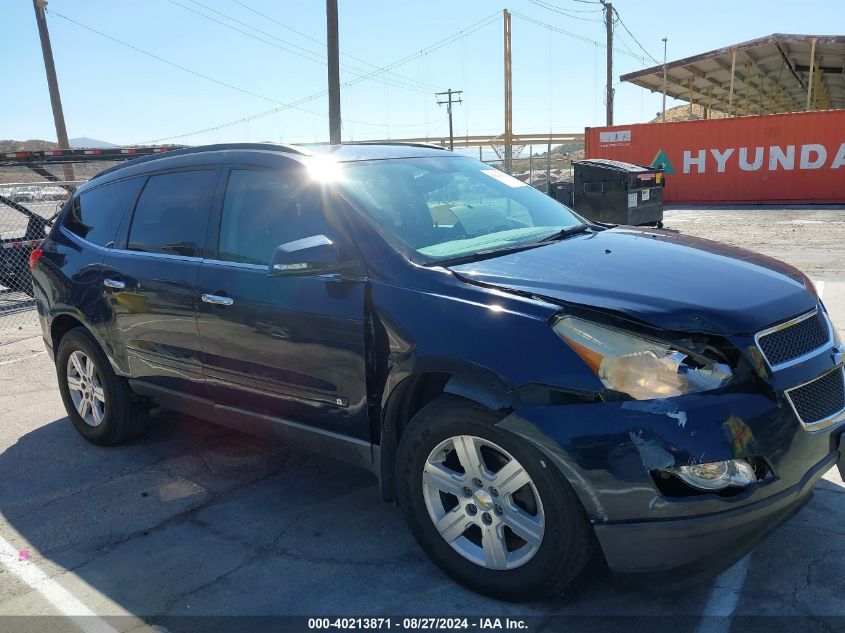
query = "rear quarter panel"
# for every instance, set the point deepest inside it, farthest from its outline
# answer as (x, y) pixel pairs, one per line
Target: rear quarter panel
(68, 281)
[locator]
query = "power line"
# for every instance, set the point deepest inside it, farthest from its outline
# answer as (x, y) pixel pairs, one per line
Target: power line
(576, 35)
(285, 45)
(165, 61)
(627, 30)
(567, 12)
(294, 105)
(323, 44)
(469, 30)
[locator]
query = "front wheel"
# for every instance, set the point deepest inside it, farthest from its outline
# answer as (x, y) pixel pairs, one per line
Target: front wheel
(486, 506)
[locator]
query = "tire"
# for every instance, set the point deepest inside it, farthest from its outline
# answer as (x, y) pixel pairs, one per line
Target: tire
(528, 569)
(112, 415)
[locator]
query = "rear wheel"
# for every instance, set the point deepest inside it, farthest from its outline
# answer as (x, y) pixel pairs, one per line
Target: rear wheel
(98, 402)
(486, 506)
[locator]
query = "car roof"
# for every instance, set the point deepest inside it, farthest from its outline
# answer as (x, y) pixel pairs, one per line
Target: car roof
(268, 154)
(350, 152)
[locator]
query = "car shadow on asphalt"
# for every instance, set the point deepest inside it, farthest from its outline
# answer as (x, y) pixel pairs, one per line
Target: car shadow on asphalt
(194, 518)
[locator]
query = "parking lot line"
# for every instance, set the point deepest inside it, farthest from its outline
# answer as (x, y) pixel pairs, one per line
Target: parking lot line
(58, 597)
(724, 598)
(18, 360)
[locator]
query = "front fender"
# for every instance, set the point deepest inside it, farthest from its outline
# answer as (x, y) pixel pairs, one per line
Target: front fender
(496, 341)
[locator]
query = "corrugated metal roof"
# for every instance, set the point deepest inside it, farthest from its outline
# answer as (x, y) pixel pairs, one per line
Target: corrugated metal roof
(770, 74)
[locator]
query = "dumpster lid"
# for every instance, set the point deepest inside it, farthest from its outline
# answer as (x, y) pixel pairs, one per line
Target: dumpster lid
(615, 165)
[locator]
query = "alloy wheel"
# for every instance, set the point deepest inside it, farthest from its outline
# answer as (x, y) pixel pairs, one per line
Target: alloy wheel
(483, 502)
(86, 389)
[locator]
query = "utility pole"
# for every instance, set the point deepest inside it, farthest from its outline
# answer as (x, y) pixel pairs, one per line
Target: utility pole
(508, 94)
(52, 81)
(448, 101)
(608, 20)
(663, 117)
(333, 51)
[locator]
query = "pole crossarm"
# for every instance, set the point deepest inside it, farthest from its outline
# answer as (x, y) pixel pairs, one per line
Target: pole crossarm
(448, 103)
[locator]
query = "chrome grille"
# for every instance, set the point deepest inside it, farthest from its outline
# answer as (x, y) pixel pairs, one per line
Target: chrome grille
(790, 342)
(821, 400)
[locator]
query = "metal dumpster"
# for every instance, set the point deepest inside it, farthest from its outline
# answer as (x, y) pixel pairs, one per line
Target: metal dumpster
(613, 192)
(562, 192)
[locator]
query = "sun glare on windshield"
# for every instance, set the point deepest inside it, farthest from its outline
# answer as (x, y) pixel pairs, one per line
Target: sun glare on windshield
(324, 169)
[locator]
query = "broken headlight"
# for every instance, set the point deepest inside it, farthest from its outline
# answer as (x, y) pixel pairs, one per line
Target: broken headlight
(642, 368)
(736, 473)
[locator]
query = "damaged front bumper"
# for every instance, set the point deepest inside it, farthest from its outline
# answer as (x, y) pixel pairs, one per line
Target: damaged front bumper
(705, 543)
(609, 450)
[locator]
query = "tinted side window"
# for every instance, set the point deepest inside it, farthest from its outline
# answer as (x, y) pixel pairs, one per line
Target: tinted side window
(264, 209)
(96, 215)
(172, 213)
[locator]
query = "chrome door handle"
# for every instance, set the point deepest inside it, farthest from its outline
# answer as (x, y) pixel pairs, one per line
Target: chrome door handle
(218, 300)
(114, 283)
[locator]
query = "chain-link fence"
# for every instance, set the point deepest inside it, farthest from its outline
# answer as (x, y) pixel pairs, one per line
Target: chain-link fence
(26, 213)
(34, 186)
(539, 168)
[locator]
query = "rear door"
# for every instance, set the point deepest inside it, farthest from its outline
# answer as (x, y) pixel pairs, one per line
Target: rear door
(286, 348)
(150, 281)
(71, 278)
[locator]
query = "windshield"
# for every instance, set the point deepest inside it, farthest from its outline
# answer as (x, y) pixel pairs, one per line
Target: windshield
(450, 207)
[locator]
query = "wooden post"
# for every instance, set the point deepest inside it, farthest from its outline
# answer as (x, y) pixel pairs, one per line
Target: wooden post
(731, 91)
(52, 83)
(812, 68)
(608, 14)
(508, 94)
(689, 83)
(530, 163)
(333, 58)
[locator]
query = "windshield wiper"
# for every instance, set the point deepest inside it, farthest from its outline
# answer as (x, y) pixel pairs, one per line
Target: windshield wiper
(572, 230)
(481, 255)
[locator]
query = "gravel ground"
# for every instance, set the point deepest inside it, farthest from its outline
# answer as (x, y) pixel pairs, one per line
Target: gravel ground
(809, 238)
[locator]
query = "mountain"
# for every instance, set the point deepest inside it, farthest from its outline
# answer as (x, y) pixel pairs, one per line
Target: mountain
(83, 142)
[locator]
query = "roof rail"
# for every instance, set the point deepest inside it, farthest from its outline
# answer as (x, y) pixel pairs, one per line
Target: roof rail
(290, 149)
(404, 143)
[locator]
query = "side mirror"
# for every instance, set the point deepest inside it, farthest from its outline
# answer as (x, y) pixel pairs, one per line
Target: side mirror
(308, 255)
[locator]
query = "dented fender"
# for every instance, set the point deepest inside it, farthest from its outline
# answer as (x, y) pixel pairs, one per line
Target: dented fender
(493, 341)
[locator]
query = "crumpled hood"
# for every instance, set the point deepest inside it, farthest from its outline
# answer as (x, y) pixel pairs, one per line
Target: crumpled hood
(666, 279)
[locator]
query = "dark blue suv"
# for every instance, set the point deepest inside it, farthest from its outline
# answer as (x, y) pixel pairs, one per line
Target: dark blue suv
(532, 388)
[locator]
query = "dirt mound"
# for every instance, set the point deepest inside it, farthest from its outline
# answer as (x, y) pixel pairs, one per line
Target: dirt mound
(682, 113)
(32, 145)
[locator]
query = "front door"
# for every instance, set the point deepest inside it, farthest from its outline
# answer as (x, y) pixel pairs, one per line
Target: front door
(284, 348)
(150, 278)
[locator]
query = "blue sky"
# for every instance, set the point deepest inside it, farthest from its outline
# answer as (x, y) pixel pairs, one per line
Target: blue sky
(114, 93)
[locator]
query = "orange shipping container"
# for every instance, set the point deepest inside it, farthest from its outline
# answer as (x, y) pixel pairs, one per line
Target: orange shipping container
(796, 157)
